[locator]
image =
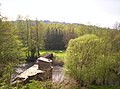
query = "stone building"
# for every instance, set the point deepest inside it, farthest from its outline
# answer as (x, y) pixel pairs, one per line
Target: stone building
(40, 71)
(45, 64)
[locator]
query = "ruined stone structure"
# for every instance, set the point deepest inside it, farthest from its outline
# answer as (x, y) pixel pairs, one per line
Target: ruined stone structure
(45, 64)
(42, 70)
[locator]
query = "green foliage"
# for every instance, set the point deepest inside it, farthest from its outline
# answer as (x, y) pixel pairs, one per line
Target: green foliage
(90, 59)
(81, 56)
(54, 39)
(10, 46)
(69, 34)
(103, 87)
(6, 77)
(39, 85)
(37, 35)
(10, 52)
(58, 54)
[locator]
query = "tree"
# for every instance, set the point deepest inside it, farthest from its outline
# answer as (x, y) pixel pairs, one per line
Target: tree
(0, 10)
(69, 34)
(37, 38)
(10, 46)
(89, 59)
(54, 39)
(117, 26)
(21, 27)
(10, 50)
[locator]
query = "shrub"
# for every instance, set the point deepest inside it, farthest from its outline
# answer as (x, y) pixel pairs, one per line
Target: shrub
(89, 60)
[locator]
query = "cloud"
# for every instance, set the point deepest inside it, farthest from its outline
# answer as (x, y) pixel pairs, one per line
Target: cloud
(104, 12)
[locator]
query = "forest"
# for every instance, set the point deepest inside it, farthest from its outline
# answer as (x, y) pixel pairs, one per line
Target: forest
(91, 60)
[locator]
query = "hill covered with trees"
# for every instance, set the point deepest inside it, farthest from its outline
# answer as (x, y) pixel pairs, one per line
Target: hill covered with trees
(95, 54)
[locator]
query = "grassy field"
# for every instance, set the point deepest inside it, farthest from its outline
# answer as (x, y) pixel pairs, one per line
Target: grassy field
(58, 54)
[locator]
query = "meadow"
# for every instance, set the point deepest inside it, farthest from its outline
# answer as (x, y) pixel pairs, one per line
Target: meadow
(58, 54)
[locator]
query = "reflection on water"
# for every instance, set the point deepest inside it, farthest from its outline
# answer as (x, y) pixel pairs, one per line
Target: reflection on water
(58, 74)
(23, 67)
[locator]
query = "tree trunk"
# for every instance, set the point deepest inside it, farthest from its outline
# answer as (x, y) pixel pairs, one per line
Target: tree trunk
(33, 54)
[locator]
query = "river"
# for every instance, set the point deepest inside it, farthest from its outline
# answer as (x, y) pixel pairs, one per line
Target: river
(57, 73)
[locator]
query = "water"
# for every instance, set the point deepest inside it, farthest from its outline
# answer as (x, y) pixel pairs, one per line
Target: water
(23, 67)
(58, 74)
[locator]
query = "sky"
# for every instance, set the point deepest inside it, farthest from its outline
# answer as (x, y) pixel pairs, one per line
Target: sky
(103, 13)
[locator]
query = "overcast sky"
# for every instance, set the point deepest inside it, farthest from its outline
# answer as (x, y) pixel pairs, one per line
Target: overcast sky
(101, 12)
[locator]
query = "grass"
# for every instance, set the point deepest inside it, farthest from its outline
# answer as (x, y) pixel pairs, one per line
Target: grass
(50, 85)
(58, 59)
(103, 87)
(58, 54)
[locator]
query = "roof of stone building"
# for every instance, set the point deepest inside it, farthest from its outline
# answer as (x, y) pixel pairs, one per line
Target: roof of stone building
(30, 72)
(44, 59)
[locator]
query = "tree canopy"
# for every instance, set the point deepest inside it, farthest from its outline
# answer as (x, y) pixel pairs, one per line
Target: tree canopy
(89, 59)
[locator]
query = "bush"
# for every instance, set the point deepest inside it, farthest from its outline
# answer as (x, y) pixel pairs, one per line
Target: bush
(39, 85)
(89, 60)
